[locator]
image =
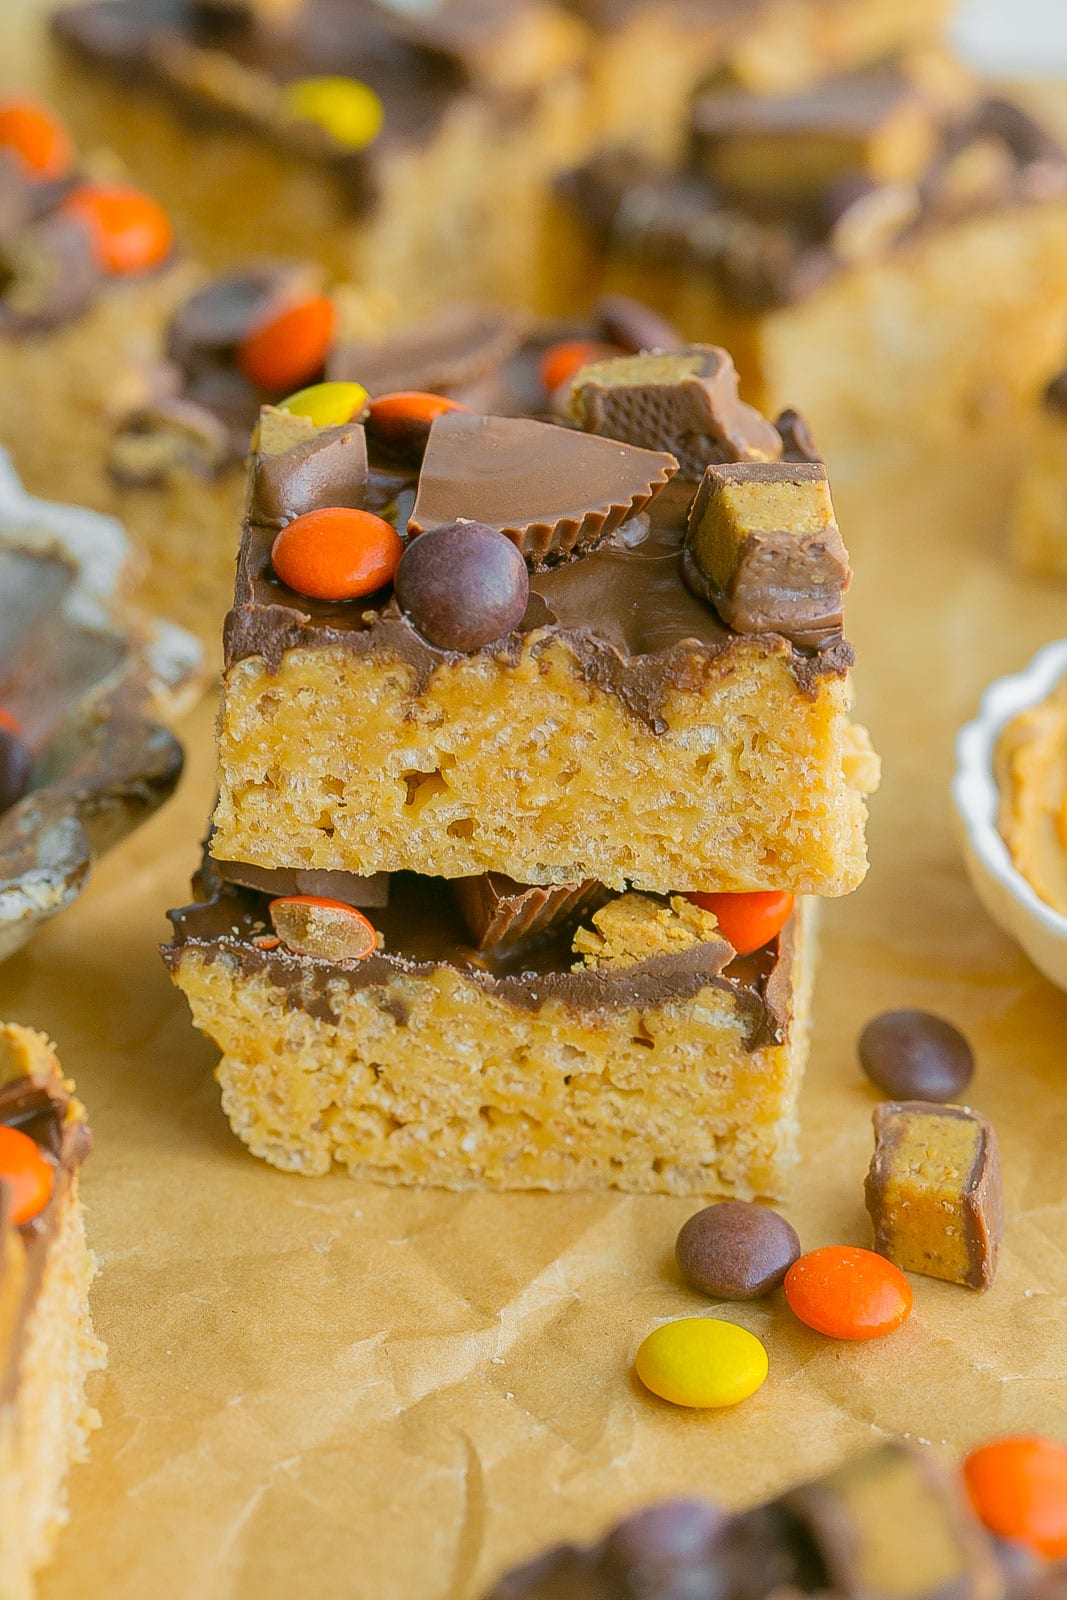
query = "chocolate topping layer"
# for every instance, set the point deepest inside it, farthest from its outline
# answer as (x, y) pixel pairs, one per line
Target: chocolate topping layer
(276, 882)
(622, 606)
(422, 928)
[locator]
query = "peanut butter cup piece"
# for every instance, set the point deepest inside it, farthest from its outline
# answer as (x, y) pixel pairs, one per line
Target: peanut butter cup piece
(763, 546)
(502, 914)
(684, 401)
(300, 468)
(934, 1191)
(463, 585)
(551, 490)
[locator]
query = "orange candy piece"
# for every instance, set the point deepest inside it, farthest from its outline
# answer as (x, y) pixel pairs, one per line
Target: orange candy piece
(748, 921)
(401, 421)
(25, 1173)
(1018, 1487)
(35, 134)
(131, 232)
(289, 348)
(848, 1293)
(337, 553)
(10, 722)
(561, 361)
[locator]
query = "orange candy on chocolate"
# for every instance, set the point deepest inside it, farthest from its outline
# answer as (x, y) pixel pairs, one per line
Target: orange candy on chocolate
(561, 361)
(848, 1293)
(131, 232)
(1018, 1487)
(288, 349)
(402, 421)
(10, 722)
(24, 1172)
(337, 553)
(35, 134)
(748, 921)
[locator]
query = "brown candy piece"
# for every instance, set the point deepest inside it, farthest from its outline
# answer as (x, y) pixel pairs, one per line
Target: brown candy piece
(634, 326)
(327, 930)
(550, 490)
(791, 148)
(892, 1525)
(934, 1192)
(914, 1055)
(736, 1250)
(502, 914)
(300, 468)
(763, 546)
(684, 401)
(463, 585)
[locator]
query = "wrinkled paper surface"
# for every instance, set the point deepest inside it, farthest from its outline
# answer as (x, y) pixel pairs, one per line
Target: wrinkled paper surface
(319, 1388)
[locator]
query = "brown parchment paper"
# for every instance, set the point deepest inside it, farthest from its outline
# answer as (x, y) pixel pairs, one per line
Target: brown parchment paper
(324, 1389)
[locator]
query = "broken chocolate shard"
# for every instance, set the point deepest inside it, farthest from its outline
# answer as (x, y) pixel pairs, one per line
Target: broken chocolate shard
(454, 347)
(684, 401)
(551, 490)
(300, 468)
(366, 892)
(763, 547)
(892, 1525)
(934, 1191)
(502, 914)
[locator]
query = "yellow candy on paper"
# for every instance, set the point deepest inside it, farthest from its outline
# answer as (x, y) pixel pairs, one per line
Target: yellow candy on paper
(327, 405)
(348, 109)
(701, 1361)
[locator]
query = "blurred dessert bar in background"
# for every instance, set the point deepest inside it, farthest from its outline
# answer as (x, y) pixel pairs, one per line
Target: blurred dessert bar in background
(47, 1344)
(888, 233)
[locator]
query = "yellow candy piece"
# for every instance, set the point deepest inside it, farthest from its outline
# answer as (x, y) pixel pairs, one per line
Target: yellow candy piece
(327, 405)
(700, 1361)
(349, 110)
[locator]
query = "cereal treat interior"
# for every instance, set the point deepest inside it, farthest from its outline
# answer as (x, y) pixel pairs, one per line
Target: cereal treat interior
(611, 725)
(636, 1050)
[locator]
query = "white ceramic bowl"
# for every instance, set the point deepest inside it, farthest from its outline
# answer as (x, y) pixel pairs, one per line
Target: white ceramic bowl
(1004, 892)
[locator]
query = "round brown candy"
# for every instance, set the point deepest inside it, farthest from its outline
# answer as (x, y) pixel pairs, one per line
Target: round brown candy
(736, 1250)
(463, 585)
(915, 1055)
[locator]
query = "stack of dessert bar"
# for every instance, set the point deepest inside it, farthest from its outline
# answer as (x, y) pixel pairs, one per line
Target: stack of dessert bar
(517, 791)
